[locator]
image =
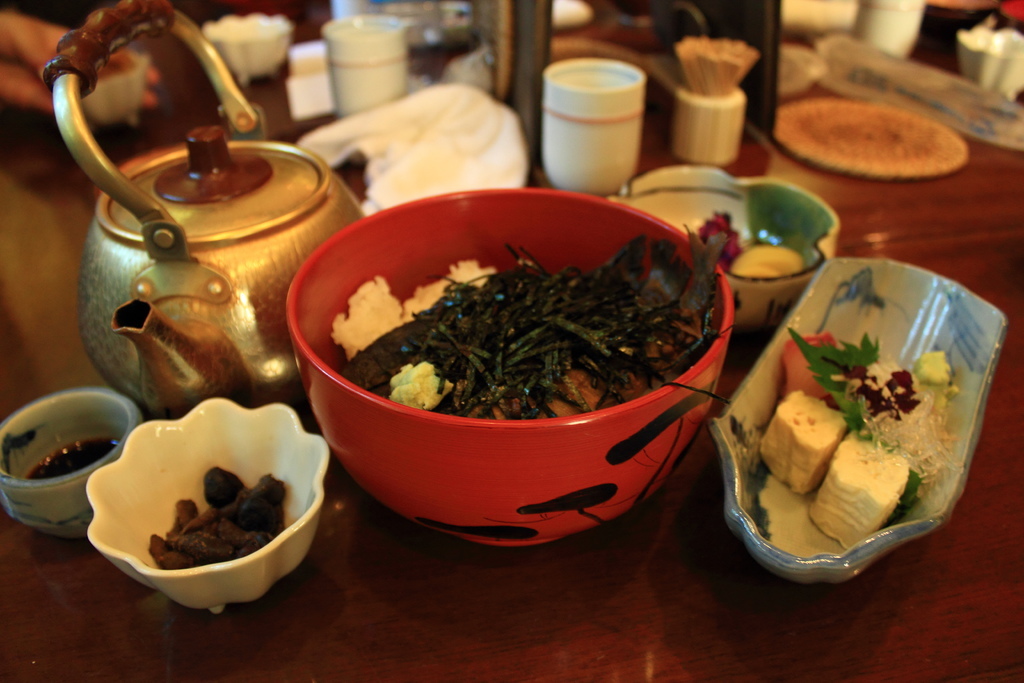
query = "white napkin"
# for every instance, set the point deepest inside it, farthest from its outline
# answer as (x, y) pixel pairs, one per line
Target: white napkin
(443, 138)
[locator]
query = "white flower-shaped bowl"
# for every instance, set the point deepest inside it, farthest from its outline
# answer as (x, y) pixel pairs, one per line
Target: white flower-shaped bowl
(254, 45)
(763, 210)
(909, 311)
(164, 461)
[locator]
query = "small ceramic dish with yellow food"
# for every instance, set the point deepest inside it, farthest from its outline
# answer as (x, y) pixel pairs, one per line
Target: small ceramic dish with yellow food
(780, 234)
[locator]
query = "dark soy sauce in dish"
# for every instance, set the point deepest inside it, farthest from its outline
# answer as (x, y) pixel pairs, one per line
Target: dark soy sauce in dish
(72, 457)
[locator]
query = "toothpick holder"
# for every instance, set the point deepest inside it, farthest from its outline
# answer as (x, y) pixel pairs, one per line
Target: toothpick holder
(707, 129)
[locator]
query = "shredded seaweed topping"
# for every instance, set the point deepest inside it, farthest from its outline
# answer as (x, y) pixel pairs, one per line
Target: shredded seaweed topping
(508, 344)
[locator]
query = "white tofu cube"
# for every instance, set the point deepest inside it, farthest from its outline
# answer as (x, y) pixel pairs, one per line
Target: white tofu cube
(800, 440)
(863, 485)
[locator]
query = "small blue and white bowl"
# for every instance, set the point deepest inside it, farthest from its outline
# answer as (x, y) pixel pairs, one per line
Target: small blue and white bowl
(763, 210)
(58, 505)
(909, 311)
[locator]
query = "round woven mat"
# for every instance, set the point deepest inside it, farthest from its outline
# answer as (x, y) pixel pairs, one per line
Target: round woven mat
(868, 140)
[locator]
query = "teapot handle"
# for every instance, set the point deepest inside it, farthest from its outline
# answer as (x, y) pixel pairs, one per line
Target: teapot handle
(73, 73)
(86, 50)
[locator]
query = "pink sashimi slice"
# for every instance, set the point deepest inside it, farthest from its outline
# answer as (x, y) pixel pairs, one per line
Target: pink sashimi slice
(796, 372)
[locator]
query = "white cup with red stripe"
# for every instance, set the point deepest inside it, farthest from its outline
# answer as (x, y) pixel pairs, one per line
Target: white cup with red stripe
(368, 61)
(592, 124)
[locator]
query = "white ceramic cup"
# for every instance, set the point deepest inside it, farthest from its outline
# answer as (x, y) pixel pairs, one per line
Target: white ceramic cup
(592, 124)
(708, 129)
(368, 61)
(890, 25)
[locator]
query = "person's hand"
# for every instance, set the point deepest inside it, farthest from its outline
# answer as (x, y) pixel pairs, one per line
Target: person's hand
(26, 45)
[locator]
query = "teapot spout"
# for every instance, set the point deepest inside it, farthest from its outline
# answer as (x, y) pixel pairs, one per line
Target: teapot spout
(182, 362)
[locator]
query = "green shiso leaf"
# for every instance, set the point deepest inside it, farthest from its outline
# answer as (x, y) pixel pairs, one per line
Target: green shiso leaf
(828, 363)
(907, 500)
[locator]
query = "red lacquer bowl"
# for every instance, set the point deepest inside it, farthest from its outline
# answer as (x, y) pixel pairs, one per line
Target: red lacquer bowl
(497, 482)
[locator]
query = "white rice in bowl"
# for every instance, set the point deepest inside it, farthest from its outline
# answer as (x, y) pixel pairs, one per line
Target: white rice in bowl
(373, 310)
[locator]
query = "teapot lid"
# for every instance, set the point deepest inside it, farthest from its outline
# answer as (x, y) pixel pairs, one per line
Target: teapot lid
(219, 190)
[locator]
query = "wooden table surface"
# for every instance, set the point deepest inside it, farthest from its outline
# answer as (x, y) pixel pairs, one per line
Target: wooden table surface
(665, 592)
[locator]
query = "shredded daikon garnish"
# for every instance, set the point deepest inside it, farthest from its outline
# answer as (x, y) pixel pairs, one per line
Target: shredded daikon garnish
(921, 434)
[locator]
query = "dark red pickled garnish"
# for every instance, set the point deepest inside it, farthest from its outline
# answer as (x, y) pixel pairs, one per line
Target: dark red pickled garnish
(722, 223)
(857, 372)
(895, 397)
(902, 387)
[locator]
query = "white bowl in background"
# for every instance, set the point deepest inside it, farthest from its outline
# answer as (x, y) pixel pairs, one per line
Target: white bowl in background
(763, 210)
(164, 461)
(992, 59)
(910, 311)
(254, 45)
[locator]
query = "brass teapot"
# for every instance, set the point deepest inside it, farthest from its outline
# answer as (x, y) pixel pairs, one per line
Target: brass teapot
(189, 257)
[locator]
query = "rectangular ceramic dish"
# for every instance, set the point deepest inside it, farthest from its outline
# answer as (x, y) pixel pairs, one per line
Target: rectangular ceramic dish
(910, 311)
